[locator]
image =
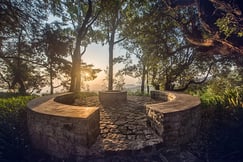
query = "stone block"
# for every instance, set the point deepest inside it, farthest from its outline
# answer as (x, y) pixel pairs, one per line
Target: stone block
(62, 130)
(112, 97)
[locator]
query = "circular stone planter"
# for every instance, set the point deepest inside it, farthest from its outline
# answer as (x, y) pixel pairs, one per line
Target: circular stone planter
(176, 119)
(59, 129)
(112, 97)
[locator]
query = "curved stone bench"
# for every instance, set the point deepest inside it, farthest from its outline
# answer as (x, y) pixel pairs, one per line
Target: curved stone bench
(176, 119)
(59, 129)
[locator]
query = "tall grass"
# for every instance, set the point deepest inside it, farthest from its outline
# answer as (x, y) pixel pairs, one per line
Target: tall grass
(230, 99)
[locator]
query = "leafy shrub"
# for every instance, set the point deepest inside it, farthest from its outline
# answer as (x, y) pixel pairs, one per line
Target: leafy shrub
(14, 143)
(230, 98)
(233, 98)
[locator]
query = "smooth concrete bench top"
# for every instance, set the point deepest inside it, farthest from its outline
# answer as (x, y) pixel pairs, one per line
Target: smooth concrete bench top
(180, 102)
(47, 105)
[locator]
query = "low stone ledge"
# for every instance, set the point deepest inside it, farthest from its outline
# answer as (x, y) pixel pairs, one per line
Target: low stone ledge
(163, 96)
(112, 97)
(62, 130)
(176, 120)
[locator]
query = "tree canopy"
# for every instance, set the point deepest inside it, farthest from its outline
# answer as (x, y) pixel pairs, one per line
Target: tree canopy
(177, 43)
(219, 29)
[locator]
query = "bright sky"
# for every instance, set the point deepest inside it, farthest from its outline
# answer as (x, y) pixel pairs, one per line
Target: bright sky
(98, 55)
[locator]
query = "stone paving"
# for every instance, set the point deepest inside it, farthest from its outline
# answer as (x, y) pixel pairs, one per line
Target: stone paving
(123, 126)
(125, 136)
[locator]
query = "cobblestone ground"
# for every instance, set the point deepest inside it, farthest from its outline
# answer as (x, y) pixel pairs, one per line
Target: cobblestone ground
(125, 135)
(123, 127)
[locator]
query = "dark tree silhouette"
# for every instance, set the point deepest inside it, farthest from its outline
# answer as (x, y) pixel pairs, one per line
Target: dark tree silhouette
(220, 26)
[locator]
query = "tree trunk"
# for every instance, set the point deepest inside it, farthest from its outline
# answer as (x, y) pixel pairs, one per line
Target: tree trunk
(169, 85)
(50, 62)
(51, 80)
(22, 88)
(76, 57)
(143, 79)
(72, 85)
(111, 50)
(18, 71)
(19, 81)
(110, 83)
(75, 71)
(147, 82)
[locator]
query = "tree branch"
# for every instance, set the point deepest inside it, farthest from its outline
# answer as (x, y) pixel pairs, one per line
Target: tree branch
(83, 29)
(94, 19)
(82, 53)
(195, 82)
(180, 48)
(23, 59)
(200, 42)
(118, 41)
(57, 86)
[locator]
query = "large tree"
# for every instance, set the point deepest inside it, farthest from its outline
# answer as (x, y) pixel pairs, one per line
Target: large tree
(110, 22)
(82, 14)
(219, 29)
(166, 59)
(135, 30)
(54, 44)
(20, 20)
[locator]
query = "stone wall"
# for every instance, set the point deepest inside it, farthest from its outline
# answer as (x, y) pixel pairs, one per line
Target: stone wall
(177, 120)
(112, 97)
(62, 130)
(162, 96)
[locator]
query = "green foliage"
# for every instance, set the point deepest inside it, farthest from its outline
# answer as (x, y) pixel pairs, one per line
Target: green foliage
(225, 26)
(228, 98)
(228, 26)
(88, 72)
(14, 144)
(12, 105)
(233, 98)
(19, 27)
(119, 82)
